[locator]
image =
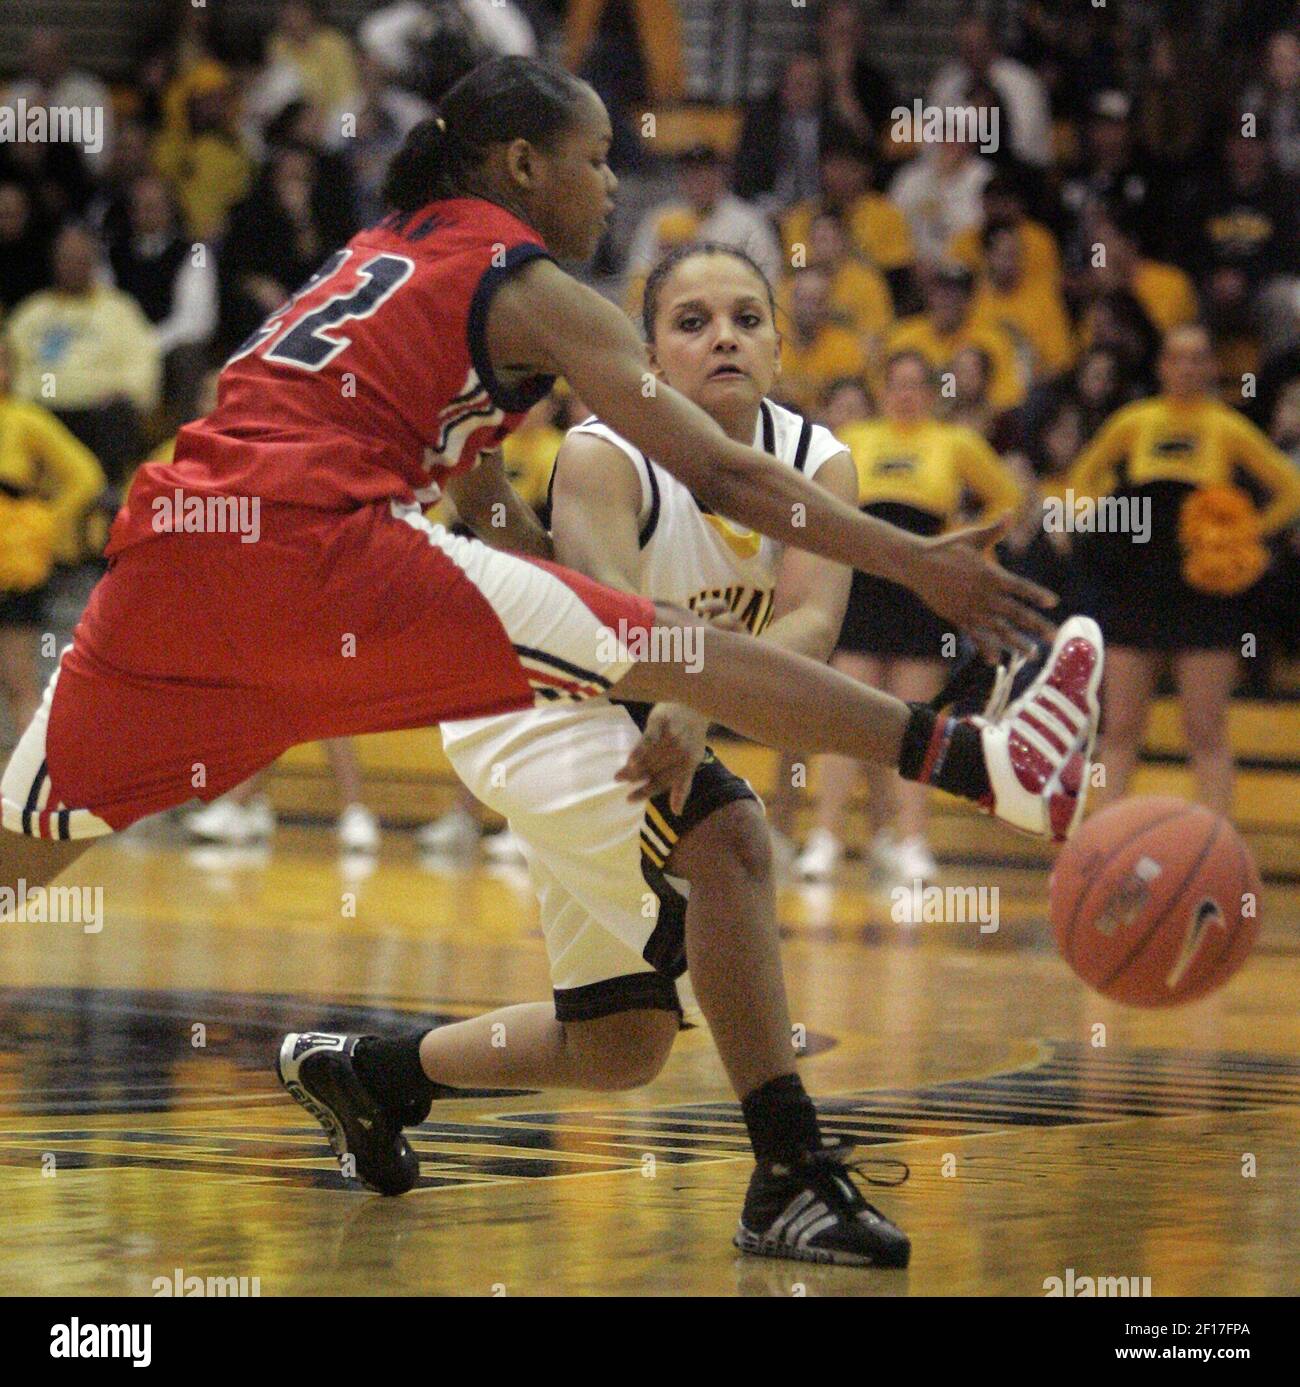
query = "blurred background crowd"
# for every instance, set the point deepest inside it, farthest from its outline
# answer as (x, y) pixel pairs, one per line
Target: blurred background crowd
(244, 140)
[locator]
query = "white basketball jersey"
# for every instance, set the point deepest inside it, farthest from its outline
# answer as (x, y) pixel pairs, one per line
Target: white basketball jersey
(690, 555)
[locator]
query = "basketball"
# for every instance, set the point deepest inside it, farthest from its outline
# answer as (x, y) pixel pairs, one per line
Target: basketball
(1155, 902)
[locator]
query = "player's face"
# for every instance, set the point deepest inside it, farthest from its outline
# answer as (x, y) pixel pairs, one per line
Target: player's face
(571, 195)
(715, 340)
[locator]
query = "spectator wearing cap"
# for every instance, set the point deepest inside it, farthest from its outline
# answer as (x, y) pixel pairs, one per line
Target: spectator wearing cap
(941, 194)
(877, 230)
(1020, 90)
(1244, 251)
(1031, 311)
(88, 352)
(706, 211)
(1114, 171)
(200, 152)
(947, 325)
(1277, 99)
(818, 349)
(174, 281)
(1003, 205)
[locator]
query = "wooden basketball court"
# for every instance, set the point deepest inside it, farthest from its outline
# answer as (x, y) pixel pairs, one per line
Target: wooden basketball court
(1048, 1132)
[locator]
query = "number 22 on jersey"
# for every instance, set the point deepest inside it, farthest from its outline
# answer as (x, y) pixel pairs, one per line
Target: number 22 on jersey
(309, 338)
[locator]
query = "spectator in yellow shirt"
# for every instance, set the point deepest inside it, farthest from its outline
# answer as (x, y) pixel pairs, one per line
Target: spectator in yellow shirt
(200, 153)
(1004, 205)
(859, 296)
(817, 349)
(40, 462)
(877, 229)
(914, 472)
(1031, 311)
(322, 57)
(1166, 294)
(89, 353)
(947, 326)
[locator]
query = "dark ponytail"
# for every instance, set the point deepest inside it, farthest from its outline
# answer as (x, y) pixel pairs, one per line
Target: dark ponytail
(499, 101)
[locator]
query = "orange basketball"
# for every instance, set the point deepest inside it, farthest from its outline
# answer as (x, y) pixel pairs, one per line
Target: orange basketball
(1155, 902)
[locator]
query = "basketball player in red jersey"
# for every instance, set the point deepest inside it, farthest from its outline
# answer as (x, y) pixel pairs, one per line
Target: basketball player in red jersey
(276, 582)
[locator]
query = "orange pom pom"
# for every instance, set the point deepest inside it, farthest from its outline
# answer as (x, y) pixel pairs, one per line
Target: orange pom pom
(1218, 528)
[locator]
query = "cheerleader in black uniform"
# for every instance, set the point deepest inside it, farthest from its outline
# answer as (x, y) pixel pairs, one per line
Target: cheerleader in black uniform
(914, 472)
(1179, 580)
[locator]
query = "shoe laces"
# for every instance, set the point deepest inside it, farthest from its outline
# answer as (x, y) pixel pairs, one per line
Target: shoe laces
(831, 1172)
(1004, 681)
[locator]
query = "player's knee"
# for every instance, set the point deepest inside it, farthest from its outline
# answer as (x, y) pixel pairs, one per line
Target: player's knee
(624, 1051)
(736, 839)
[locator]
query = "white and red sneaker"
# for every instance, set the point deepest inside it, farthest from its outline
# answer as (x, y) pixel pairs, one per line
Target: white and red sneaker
(1038, 749)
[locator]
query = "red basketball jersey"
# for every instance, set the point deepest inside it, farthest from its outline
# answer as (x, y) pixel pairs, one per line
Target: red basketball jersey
(372, 381)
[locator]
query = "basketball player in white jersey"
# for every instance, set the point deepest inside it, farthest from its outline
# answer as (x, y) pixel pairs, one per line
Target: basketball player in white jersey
(643, 848)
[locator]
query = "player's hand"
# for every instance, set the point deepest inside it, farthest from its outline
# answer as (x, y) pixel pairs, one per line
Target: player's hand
(970, 589)
(672, 746)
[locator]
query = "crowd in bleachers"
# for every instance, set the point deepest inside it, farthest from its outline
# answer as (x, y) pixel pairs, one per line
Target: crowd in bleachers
(1138, 181)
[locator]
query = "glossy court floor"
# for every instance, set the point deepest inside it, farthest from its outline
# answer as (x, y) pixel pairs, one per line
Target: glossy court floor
(142, 1134)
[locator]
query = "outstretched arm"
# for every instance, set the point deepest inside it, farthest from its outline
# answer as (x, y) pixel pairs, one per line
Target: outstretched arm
(543, 319)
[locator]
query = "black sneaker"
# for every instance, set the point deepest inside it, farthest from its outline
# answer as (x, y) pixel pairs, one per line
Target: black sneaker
(319, 1071)
(811, 1211)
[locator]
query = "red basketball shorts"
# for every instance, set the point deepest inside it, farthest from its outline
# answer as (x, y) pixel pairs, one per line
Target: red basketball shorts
(200, 658)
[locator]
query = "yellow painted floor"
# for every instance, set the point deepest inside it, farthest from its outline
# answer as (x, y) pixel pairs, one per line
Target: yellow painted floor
(142, 1130)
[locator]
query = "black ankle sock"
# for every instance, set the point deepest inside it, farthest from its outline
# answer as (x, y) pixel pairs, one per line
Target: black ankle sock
(941, 751)
(391, 1069)
(781, 1119)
